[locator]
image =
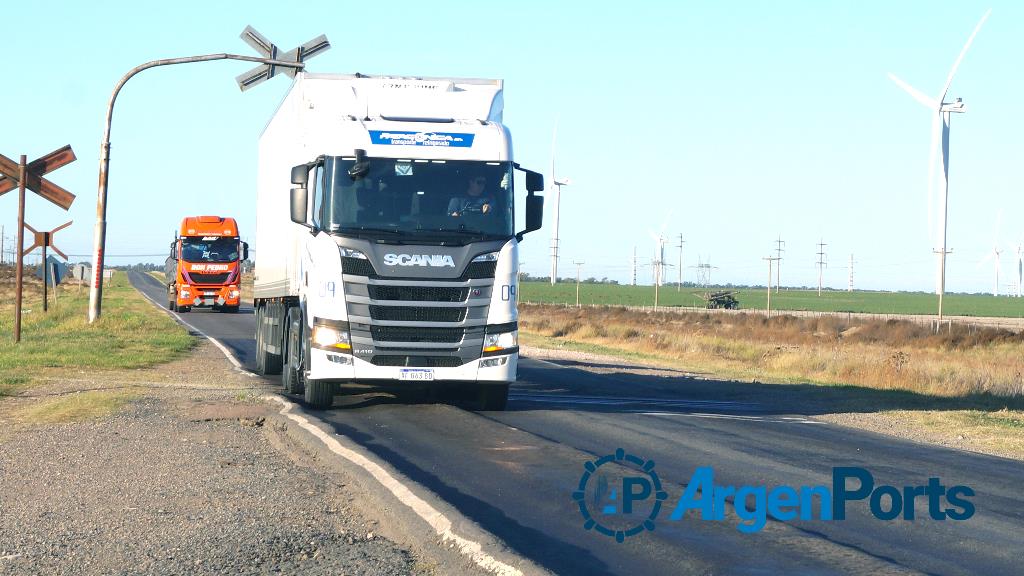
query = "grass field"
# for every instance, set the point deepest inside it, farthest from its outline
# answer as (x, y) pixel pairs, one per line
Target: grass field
(131, 333)
(751, 299)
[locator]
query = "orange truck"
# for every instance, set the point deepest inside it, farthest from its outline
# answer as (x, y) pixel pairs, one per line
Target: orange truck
(204, 268)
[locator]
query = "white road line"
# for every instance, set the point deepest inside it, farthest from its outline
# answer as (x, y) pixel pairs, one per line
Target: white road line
(438, 521)
(780, 420)
(227, 353)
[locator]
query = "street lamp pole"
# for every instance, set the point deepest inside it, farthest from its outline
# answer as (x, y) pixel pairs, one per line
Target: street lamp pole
(100, 233)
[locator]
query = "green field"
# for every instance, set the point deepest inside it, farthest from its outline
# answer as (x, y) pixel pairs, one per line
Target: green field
(829, 301)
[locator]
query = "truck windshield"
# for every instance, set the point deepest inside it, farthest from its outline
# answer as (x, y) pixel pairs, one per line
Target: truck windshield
(435, 199)
(209, 249)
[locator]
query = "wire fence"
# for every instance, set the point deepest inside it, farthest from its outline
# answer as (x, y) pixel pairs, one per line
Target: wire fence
(971, 322)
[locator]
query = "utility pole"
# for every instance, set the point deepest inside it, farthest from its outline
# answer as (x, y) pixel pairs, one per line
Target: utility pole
(849, 287)
(821, 263)
(779, 243)
(768, 309)
(634, 265)
(290, 63)
(942, 281)
(679, 285)
(578, 265)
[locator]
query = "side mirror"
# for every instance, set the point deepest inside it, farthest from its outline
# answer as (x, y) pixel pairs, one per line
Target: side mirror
(245, 251)
(300, 174)
(299, 202)
(534, 214)
(361, 168)
(534, 183)
(174, 253)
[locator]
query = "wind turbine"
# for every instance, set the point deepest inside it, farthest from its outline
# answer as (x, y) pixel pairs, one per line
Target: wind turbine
(1020, 265)
(942, 111)
(995, 255)
(659, 251)
(996, 251)
(558, 183)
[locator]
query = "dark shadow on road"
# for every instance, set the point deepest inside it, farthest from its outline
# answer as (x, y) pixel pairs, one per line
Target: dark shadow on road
(559, 556)
(620, 391)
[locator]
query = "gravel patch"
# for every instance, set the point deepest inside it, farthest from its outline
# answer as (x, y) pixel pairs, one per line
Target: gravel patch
(191, 479)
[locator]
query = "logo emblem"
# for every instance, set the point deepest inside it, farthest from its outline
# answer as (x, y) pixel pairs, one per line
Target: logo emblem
(619, 495)
(435, 260)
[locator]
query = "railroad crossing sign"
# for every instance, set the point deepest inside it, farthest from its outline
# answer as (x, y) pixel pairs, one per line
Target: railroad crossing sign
(24, 174)
(268, 50)
(44, 240)
(34, 173)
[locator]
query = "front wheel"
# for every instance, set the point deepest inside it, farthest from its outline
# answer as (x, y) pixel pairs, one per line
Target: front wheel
(319, 394)
(493, 397)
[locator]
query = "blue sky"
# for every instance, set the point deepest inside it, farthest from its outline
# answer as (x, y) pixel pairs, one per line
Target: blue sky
(731, 123)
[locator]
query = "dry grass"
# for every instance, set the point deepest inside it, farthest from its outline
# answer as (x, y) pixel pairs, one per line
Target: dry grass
(892, 355)
(73, 407)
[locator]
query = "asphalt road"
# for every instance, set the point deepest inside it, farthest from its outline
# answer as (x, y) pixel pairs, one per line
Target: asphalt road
(514, 472)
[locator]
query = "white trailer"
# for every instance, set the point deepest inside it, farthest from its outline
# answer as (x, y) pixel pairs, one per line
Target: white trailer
(385, 224)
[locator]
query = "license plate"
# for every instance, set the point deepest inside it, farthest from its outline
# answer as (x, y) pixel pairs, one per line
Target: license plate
(421, 374)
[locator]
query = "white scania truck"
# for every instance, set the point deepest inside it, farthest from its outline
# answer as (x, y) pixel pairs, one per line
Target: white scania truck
(388, 246)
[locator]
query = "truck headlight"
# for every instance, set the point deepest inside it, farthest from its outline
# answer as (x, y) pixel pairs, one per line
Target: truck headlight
(501, 342)
(489, 257)
(331, 338)
(350, 253)
(233, 294)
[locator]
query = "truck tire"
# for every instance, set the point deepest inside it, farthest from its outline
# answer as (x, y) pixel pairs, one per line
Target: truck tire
(268, 362)
(493, 397)
(319, 394)
(260, 360)
(172, 292)
(292, 373)
(229, 309)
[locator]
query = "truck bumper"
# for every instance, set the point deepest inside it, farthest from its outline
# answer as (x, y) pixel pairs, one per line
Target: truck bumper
(326, 365)
(208, 296)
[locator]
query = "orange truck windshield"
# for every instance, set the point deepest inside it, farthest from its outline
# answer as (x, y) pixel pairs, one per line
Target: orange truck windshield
(209, 249)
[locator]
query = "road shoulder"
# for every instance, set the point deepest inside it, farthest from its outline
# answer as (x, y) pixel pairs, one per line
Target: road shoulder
(192, 474)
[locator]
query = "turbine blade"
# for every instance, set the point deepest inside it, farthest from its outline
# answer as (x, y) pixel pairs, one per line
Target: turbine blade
(952, 71)
(917, 94)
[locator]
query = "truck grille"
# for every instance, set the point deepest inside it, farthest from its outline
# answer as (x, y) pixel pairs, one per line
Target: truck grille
(417, 361)
(418, 293)
(417, 314)
(357, 267)
(406, 334)
(209, 278)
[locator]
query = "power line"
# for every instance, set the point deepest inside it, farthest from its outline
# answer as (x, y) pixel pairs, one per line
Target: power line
(821, 262)
(779, 243)
(679, 284)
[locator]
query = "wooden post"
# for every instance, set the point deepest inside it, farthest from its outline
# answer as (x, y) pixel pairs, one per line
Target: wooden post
(19, 269)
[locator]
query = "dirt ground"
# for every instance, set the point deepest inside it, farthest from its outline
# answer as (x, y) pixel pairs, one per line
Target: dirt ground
(190, 476)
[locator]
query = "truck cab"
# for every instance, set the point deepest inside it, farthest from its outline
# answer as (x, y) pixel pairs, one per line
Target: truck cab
(204, 267)
(388, 237)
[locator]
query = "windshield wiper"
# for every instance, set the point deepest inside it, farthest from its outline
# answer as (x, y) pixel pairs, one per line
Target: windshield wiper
(466, 232)
(387, 230)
